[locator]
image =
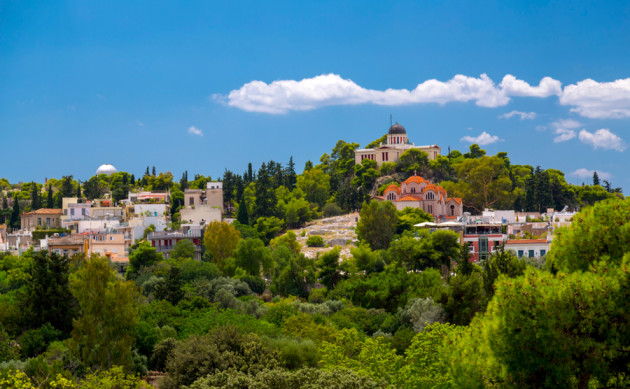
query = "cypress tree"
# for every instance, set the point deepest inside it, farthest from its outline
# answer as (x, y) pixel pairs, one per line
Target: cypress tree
(133, 180)
(153, 171)
(242, 216)
(79, 190)
(183, 182)
(15, 214)
(595, 178)
(146, 173)
(49, 199)
(35, 200)
(265, 196)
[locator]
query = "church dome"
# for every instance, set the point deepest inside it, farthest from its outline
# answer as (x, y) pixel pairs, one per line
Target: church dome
(106, 169)
(397, 129)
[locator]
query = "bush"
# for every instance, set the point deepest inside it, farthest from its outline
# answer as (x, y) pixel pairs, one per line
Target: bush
(332, 209)
(34, 342)
(315, 241)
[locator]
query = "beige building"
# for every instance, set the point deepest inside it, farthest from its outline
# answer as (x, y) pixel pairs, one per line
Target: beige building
(68, 245)
(113, 245)
(416, 192)
(43, 218)
(395, 145)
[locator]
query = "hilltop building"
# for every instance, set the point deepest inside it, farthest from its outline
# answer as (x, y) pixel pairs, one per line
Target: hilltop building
(416, 192)
(395, 144)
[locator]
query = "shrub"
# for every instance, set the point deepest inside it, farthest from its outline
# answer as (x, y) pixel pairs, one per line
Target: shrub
(315, 241)
(332, 209)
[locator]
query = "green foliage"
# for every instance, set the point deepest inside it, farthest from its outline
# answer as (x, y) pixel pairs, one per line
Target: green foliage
(316, 185)
(222, 349)
(268, 227)
(409, 217)
(34, 342)
(501, 262)
(464, 298)
(252, 256)
(421, 312)
(103, 335)
(315, 241)
(220, 240)
(328, 264)
(601, 231)
(306, 378)
(185, 248)
(143, 256)
(377, 224)
(332, 209)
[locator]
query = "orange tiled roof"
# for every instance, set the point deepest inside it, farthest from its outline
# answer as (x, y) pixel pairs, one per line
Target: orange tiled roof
(442, 190)
(45, 211)
(416, 179)
(458, 200)
(392, 187)
(430, 187)
(525, 241)
(451, 217)
(410, 198)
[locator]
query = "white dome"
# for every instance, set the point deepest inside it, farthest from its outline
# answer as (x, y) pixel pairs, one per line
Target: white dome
(106, 169)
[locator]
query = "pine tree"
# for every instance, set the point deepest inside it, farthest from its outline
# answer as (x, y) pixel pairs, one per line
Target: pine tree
(308, 166)
(35, 198)
(595, 178)
(49, 199)
(290, 176)
(265, 196)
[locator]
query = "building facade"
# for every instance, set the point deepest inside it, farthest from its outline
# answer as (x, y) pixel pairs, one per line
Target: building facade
(416, 192)
(42, 218)
(395, 145)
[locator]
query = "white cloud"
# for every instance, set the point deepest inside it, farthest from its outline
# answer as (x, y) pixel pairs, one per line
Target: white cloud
(563, 135)
(585, 173)
(140, 123)
(330, 89)
(588, 98)
(512, 86)
(483, 139)
(195, 131)
(598, 99)
(522, 115)
(602, 138)
(565, 123)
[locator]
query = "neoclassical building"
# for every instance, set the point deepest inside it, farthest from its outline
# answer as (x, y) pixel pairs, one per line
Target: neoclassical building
(416, 192)
(395, 144)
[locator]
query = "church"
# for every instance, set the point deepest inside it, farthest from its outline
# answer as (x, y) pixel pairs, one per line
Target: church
(395, 144)
(416, 192)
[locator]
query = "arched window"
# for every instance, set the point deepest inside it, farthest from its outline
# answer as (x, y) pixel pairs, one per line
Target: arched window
(430, 196)
(452, 210)
(391, 196)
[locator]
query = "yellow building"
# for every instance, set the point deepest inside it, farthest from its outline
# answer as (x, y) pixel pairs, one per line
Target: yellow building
(395, 145)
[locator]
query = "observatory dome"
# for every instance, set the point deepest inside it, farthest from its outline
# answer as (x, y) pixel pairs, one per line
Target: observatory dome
(106, 169)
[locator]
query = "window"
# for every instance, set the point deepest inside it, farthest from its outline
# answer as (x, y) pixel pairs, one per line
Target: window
(39, 221)
(452, 210)
(531, 253)
(83, 211)
(191, 201)
(413, 190)
(72, 212)
(543, 252)
(520, 253)
(430, 208)
(430, 196)
(47, 221)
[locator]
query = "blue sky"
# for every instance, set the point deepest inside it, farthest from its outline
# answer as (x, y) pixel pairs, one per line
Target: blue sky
(198, 86)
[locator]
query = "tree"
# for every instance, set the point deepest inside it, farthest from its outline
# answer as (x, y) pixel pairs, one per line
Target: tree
(35, 197)
(67, 188)
(290, 175)
(104, 333)
(49, 200)
(595, 178)
(15, 214)
(170, 289)
(183, 182)
(328, 264)
(265, 203)
(413, 160)
(220, 240)
(242, 216)
(143, 256)
(268, 227)
(153, 171)
(222, 349)
(377, 224)
(49, 297)
(501, 262)
(94, 188)
(251, 254)
(475, 152)
(185, 248)
(79, 191)
(409, 217)
(484, 182)
(601, 231)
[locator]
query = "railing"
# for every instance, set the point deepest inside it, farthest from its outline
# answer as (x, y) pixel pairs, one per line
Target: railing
(173, 235)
